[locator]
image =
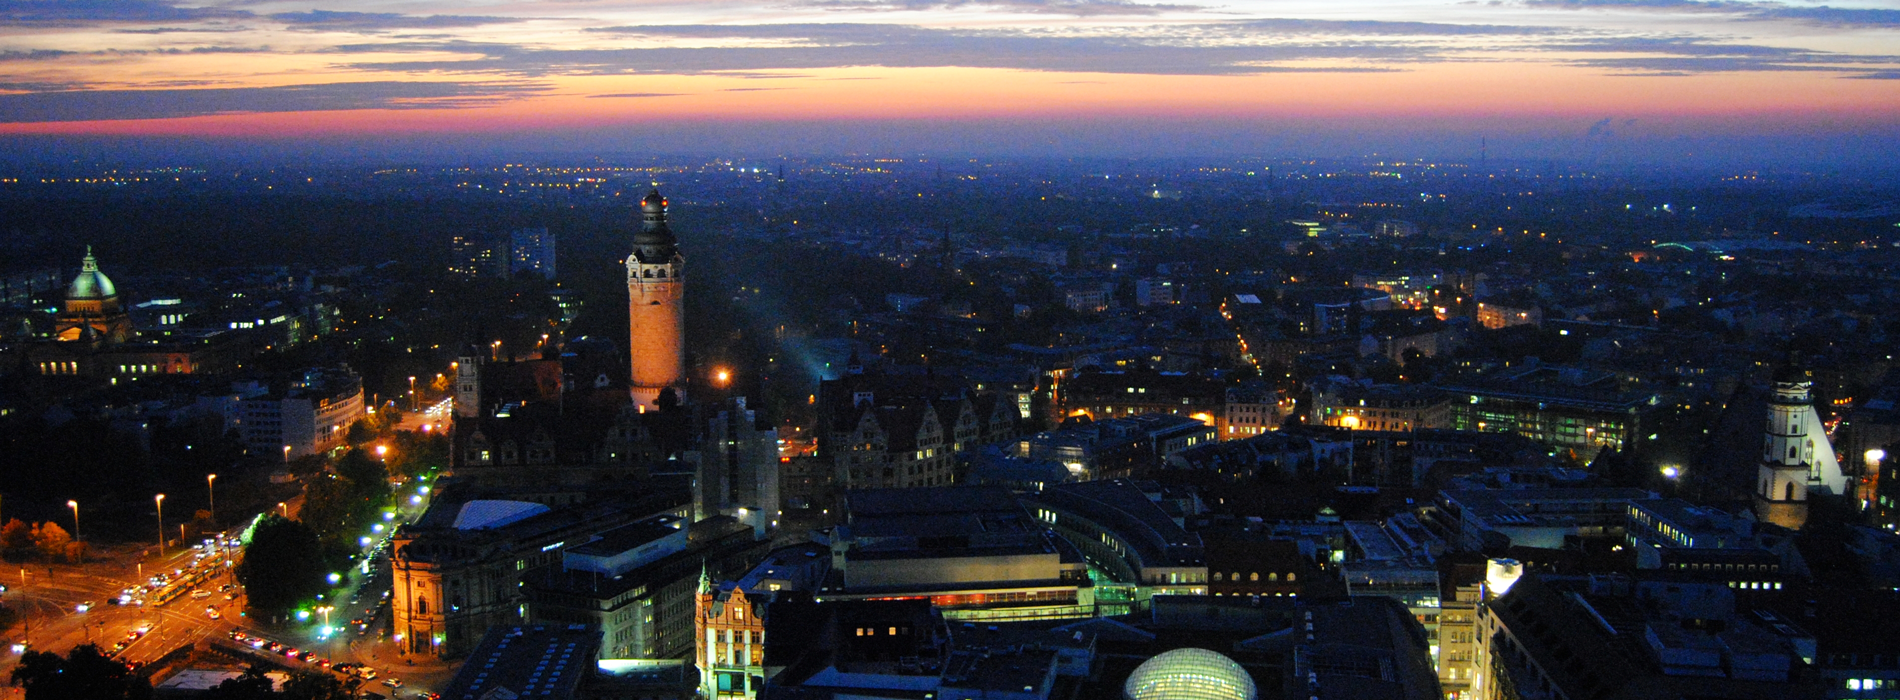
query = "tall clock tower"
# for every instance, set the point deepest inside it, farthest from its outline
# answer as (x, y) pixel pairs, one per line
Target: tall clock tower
(656, 319)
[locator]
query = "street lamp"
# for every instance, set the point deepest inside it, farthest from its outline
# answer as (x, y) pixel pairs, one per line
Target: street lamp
(212, 493)
(283, 508)
(286, 455)
(75, 506)
(412, 393)
(160, 500)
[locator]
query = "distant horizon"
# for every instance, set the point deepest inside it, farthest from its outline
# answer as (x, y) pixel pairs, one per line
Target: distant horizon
(1661, 83)
(55, 152)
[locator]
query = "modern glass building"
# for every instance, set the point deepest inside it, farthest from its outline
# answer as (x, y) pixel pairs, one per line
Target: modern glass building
(1189, 674)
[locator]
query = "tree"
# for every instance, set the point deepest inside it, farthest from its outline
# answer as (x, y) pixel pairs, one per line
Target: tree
(362, 468)
(305, 685)
(17, 536)
(252, 685)
(360, 432)
(51, 539)
(85, 674)
(282, 567)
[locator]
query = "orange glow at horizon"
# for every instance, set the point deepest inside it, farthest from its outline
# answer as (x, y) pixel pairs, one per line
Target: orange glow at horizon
(1502, 97)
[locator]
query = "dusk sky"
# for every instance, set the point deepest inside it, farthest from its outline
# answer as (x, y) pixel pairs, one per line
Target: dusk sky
(1587, 80)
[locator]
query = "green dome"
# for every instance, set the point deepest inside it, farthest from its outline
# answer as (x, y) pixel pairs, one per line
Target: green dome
(91, 283)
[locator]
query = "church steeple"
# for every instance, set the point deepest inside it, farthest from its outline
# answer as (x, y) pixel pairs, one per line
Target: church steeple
(1796, 457)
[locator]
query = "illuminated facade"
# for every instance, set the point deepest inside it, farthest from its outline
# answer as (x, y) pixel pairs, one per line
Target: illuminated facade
(1495, 316)
(1390, 407)
(655, 311)
(731, 644)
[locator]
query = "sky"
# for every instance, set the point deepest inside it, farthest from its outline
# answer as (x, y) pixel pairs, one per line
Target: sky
(1744, 82)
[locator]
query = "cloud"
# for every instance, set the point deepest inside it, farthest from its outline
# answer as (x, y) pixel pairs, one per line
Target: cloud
(1379, 28)
(92, 105)
(82, 12)
(1244, 48)
(1821, 15)
(1060, 7)
(1600, 130)
(1671, 57)
(753, 89)
(371, 22)
(40, 86)
(1695, 5)
(181, 30)
(637, 94)
(1835, 16)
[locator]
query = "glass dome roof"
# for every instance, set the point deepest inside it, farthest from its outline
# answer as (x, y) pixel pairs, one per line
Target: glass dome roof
(1189, 674)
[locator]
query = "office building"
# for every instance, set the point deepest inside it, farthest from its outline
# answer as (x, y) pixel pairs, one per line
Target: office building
(739, 469)
(973, 552)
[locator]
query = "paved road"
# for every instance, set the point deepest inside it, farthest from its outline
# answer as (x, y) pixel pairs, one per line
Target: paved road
(49, 596)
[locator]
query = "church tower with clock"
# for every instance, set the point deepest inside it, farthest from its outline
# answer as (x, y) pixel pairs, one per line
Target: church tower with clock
(655, 315)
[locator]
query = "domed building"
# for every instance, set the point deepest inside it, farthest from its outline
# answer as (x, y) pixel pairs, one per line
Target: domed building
(91, 310)
(93, 337)
(1189, 674)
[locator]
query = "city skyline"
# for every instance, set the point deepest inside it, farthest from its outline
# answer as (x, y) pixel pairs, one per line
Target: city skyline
(1634, 81)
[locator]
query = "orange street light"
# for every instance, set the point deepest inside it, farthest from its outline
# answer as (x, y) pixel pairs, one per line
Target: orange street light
(160, 500)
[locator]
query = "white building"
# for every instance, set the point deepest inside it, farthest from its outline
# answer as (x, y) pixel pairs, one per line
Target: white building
(311, 414)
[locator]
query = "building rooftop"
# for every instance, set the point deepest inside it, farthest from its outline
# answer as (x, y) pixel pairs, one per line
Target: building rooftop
(1126, 508)
(540, 662)
(1536, 506)
(484, 514)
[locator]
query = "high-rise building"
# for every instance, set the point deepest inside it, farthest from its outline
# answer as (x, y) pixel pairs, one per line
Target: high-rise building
(1796, 457)
(655, 313)
(738, 469)
(532, 251)
(473, 255)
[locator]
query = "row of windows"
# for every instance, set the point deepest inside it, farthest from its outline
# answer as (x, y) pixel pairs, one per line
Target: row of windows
(1255, 576)
(1724, 567)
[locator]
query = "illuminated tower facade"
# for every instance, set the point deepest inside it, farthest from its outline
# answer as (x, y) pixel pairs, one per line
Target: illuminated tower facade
(656, 319)
(1796, 457)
